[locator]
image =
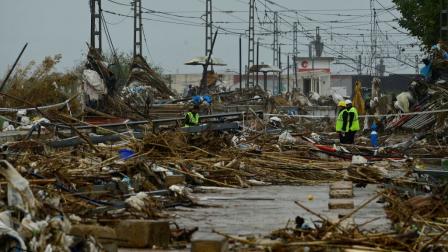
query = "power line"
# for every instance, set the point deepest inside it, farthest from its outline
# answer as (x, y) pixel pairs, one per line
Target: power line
(122, 4)
(178, 18)
(122, 20)
(109, 39)
(155, 20)
(309, 36)
(311, 22)
(390, 12)
(146, 44)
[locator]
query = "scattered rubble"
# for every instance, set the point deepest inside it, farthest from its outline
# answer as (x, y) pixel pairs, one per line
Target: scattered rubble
(74, 182)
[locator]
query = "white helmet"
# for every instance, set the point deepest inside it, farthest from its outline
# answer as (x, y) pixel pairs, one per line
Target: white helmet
(348, 102)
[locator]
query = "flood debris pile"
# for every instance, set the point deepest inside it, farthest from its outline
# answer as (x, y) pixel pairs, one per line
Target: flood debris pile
(415, 202)
(72, 182)
(237, 100)
(414, 197)
(78, 190)
(417, 206)
(125, 91)
(102, 81)
(137, 179)
(425, 94)
(341, 234)
(29, 223)
(52, 194)
(144, 86)
(50, 200)
(422, 216)
(232, 161)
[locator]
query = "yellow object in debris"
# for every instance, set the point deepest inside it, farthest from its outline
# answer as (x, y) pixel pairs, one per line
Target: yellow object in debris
(358, 101)
(310, 197)
(420, 165)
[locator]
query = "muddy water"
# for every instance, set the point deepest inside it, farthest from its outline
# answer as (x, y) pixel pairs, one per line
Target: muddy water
(260, 210)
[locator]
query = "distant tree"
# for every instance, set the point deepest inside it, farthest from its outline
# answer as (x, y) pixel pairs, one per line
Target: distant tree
(421, 19)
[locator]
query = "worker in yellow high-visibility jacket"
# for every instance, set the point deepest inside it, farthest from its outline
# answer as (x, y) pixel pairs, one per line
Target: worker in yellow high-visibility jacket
(192, 117)
(352, 122)
(342, 117)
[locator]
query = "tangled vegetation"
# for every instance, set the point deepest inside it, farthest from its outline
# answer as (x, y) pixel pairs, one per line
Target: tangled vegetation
(40, 84)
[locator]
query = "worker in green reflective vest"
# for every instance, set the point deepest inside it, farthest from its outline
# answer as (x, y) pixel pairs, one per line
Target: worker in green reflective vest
(352, 123)
(192, 117)
(342, 117)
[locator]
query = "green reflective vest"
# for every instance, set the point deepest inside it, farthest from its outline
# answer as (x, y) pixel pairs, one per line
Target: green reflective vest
(193, 120)
(355, 123)
(340, 121)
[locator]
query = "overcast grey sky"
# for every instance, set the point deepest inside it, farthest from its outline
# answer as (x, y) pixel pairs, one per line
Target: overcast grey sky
(63, 26)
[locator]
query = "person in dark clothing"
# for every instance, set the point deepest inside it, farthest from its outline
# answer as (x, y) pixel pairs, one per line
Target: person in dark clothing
(352, 122)
(342, 117)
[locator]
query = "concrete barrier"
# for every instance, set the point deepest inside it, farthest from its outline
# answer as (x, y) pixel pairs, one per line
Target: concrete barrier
(208, 242)
(142, 233)
(341, 204)
(106, 236)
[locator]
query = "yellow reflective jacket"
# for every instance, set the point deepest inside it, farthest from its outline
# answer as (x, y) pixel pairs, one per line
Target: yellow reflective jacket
(353, 120)
(191, 119)
(340, 120)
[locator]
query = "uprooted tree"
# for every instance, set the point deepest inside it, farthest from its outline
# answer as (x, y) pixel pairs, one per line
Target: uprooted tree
(40, 84)
(421, 18)
(121, 67)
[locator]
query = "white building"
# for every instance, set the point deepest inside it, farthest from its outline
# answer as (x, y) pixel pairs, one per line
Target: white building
(314, 75)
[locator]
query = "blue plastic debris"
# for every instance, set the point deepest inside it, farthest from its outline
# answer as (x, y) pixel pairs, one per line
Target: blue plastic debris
(208, 99)
(126, 153)
(197, 100)
(374, 135)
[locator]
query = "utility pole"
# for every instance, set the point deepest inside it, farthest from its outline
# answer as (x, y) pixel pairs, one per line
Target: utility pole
(444, 21)
(312, 51)
(95, 25)
(296, 79)
(251, 51)
(208, 26)
(295, 50)
(359, 68)
(138, 27)
(280, 87)
(416, 65)
(204, 81)
(295, 31)
(241, 67)
(258, 60)
(381, 69)
(318, 45)
(275, 44)
(246, 73)
(288, 72)
(312, 48)
(373, 39)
